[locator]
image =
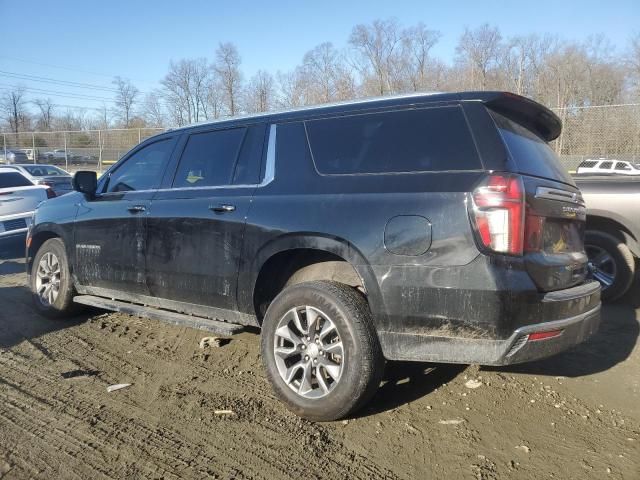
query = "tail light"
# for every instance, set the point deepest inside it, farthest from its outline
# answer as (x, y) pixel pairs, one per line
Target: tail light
(50, 193)
(498, 213)
(48, 183)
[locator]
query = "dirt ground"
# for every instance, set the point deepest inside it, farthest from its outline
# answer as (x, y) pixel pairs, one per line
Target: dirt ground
(576, 415)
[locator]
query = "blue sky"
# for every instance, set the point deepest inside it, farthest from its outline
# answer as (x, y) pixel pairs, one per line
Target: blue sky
(137, 39)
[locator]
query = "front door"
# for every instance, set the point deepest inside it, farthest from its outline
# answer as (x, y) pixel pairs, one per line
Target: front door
(110, 230)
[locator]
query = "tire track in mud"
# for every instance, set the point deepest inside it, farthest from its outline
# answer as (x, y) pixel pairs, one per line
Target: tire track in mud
(78, 420)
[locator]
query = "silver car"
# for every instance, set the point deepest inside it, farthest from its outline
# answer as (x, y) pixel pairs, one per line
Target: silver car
(48, 175)
(9, 157)
(18, 199)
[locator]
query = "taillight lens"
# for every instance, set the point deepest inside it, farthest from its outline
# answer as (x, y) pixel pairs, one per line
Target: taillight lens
(50, 193)
(498, 213)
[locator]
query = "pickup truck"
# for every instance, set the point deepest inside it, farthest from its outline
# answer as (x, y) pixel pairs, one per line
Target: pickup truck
(612, 239)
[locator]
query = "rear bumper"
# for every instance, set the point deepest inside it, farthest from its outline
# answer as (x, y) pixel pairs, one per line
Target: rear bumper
(581, 306)
(516, 349)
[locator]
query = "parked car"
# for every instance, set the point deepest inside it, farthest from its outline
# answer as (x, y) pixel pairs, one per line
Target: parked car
(58, 156)
(606, 166)
(19, 197)
(48, 175)
(612, 239)
(9, 157)
(435, 228)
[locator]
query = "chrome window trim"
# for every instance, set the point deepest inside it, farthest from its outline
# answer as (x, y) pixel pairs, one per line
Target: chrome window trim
(269, 173)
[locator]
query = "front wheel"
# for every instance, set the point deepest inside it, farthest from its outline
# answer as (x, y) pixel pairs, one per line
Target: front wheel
(612, 263)
(51, 283)
(320, 350)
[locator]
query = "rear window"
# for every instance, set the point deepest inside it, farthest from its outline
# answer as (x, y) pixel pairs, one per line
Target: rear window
(13, 179)
(426, 140)
(44, 171)
(531, 154)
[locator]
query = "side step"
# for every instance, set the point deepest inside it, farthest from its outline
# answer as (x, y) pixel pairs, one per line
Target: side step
(180, 319)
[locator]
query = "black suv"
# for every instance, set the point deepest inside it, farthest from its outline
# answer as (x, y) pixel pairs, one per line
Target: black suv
(429, 227)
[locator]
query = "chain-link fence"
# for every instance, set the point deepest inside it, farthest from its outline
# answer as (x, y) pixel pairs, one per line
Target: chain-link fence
(87, 149)
(611, 131)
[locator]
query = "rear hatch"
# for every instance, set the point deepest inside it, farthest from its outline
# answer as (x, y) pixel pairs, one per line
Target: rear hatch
(58, 182)
(554, 214)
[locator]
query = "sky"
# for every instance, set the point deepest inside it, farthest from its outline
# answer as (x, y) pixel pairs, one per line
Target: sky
(90, 42)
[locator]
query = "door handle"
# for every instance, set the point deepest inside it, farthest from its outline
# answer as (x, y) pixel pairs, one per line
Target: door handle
(224, 208)
(137, 208)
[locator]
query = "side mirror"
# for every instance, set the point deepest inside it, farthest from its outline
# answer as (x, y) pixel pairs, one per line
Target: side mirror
(85, 182)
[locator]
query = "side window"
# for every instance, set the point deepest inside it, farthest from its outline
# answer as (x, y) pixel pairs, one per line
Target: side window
(143, 170)
(606, 165)
(587, 164)
(430, 139)
(209, 158)
(622, 166)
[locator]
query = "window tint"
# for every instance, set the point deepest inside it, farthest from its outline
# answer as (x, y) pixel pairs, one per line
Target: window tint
(209, 158)
(143, 170)
(606, 165)
(13, 179)
(622, 166)
(587, 164)
(430, 139)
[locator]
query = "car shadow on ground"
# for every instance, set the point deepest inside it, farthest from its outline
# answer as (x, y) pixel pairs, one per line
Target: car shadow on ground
(612, 344)
(19, 320)
(405, 382)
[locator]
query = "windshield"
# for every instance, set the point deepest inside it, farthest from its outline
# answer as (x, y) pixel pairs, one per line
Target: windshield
(532, 155)
(44, 171)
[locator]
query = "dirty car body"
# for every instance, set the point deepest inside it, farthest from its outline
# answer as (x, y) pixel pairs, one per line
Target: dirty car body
(448, 275)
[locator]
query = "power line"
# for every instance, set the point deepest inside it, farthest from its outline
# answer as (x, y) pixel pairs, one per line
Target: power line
(66, 83)
(57, 93)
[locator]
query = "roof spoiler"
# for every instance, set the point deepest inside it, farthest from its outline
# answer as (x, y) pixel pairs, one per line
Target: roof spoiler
(526, 112)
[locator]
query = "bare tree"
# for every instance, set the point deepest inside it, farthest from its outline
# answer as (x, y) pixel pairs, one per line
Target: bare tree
(479, 50)
(125, 98)
(227, 68)
(14, 108)
(417, 43)
(293, 88)
(633, 63)
(186, 88)
(153, 110)
(377, 48)
(260, 93)
(45, 108)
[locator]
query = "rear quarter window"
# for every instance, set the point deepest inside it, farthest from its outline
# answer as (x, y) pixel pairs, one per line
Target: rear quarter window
(421, 140)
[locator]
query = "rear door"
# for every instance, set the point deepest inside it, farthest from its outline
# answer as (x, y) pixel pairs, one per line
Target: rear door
(555, 212)
(196, 223)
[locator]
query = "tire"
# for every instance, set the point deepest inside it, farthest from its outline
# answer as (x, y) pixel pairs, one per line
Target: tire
(361, 364)
(53, 257)
(612, 261)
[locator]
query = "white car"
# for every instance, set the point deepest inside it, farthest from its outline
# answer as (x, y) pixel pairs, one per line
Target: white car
(609, 166)
(19, 197)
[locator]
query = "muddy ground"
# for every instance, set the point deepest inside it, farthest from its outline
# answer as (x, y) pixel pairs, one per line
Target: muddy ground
(576, 415)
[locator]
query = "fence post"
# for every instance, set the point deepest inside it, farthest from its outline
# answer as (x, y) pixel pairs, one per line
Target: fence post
(139, 136)
(4, 145)
(100, 150)
(33, 142)
(66, 158)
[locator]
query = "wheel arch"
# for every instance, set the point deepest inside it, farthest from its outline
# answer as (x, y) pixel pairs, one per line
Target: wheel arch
(289, 255)
(614, 225)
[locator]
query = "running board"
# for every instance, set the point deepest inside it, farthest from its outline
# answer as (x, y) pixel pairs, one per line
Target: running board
(180, 319)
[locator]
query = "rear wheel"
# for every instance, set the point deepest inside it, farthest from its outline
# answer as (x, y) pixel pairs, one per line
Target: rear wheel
(320, 350)
(51, 283)
(612, 263)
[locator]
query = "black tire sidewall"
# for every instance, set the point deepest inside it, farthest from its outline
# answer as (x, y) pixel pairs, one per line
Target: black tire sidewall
(621, 255)
(346, 396)
(63, 305)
